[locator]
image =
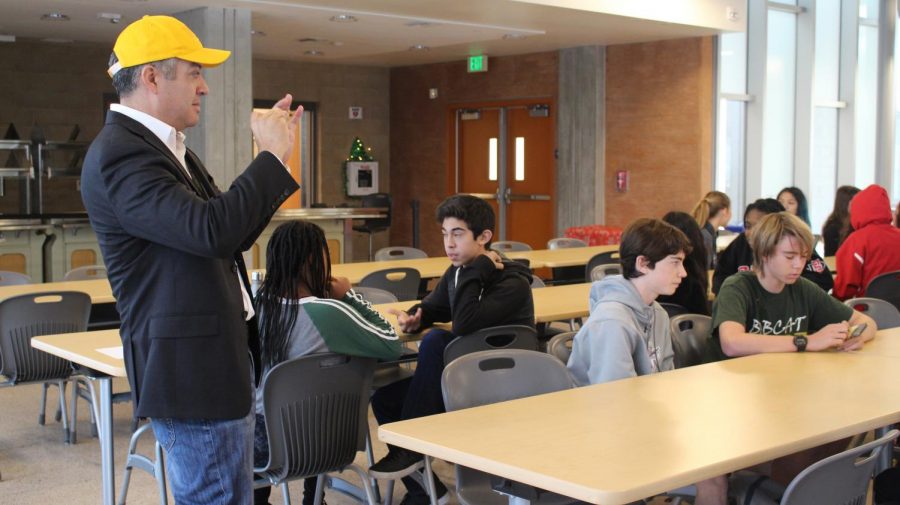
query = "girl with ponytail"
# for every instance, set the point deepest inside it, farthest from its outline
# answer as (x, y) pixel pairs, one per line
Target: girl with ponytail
(711, 212)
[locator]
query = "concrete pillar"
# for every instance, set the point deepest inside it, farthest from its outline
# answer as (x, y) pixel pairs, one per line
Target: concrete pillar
(223, 139)
(581, 137)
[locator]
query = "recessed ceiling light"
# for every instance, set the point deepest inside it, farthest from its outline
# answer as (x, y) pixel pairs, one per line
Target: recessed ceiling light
(55, 16)
(343, 18)
(419, 47)
(112, 17)
(313, 52)
(514, 36)
(258, 33)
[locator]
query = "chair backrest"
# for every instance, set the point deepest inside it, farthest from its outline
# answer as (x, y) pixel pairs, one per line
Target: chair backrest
(8, 278)
(376, 200)
(316, 410)
(487, 377)
(537, 282)
(885, 315)
(402, 282)
(509, 246)
(511, 336)
(375, 295)
(842, 478)
(601, 271)
(565, 243)
(886, 287)
(26, 316)
(673, 309)
(86, 273)
(602, 259)
(494, 376)
(399, 253)
(560, 346)
(690, 338)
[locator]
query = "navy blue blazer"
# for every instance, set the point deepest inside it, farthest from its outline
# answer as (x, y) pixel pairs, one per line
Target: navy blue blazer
(172, 249)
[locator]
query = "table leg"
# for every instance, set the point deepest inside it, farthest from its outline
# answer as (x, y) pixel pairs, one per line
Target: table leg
(884, 459)
(107, 463)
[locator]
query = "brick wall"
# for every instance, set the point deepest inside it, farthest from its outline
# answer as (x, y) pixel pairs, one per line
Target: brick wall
(335, 88)
(659, 121)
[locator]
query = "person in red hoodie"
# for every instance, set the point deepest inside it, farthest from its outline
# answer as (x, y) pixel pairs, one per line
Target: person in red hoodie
(872, 249)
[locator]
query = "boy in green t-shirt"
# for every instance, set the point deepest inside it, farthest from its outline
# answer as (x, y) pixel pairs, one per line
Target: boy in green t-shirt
(773, 308)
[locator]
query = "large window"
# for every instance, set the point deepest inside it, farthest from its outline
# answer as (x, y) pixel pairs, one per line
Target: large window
(798, 102)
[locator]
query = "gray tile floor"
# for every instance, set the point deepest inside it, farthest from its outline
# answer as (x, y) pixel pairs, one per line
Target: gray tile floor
(37, 467)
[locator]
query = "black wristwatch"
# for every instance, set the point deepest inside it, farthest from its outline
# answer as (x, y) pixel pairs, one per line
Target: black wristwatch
(800, 342)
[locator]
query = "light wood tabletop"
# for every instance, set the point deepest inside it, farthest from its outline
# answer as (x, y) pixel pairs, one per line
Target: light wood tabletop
(566, 257)
(622, 441)
(831, 261)
(886, 343)
(427, 267)
(84, 348)
(436, 266)
(98, 289)
(552, 303)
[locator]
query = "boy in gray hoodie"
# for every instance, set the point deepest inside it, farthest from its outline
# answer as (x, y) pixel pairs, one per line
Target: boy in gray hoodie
(627, 333)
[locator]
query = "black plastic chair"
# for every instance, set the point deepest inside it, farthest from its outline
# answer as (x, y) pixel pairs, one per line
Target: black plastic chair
(673, 309)
(402, 282)
(605, 258)
(560, 346)
(486, 377)
(886, 316)
(375, 295)
(886, 287)
(399, 253)
(690, 338)
(27, 316)
(511, 336)
(374, 225)
(316, 410)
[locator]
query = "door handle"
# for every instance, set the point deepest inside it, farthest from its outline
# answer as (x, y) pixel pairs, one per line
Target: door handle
(526, 197)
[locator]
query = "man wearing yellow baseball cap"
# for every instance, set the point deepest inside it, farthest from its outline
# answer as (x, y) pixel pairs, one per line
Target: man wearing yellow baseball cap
(172, 243)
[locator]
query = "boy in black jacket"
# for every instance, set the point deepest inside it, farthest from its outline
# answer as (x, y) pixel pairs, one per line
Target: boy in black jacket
(478, 291)
(738, 257)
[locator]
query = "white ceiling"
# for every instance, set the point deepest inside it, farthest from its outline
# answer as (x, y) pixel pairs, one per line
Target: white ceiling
(385, 30)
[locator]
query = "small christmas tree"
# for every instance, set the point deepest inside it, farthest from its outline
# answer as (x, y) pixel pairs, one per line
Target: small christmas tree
(358, 151)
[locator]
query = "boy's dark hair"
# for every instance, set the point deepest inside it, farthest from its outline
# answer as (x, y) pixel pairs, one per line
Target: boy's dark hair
(652, 238)
(475, 212)
(765, 206)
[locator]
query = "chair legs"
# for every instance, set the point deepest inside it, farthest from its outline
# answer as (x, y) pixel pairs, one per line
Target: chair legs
(83, 388)
(61, 409)
(155, 467)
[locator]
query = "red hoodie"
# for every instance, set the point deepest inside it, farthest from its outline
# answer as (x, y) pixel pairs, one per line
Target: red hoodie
(872, 249)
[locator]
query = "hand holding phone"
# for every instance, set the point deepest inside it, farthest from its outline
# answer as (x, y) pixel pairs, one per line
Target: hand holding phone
(857, 330)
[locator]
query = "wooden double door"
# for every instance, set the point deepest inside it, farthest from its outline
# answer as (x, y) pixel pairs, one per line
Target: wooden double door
(505, 153)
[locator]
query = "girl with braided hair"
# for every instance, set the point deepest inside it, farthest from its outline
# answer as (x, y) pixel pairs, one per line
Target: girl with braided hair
(304, 310)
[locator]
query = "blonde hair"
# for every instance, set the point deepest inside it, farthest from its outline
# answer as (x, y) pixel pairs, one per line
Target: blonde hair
(709, 206)
(768, 232)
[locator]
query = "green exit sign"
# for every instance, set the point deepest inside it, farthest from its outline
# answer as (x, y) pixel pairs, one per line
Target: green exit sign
(478, 63)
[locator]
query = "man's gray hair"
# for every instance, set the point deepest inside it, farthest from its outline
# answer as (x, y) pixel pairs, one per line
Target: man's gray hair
(126, 79)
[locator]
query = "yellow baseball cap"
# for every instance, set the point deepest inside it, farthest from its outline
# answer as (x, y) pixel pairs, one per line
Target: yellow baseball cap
(155, 38)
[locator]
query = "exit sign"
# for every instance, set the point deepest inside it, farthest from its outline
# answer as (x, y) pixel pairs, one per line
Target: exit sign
(478, 63)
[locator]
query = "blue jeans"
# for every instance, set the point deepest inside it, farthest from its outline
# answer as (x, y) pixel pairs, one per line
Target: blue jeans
(208, 461)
